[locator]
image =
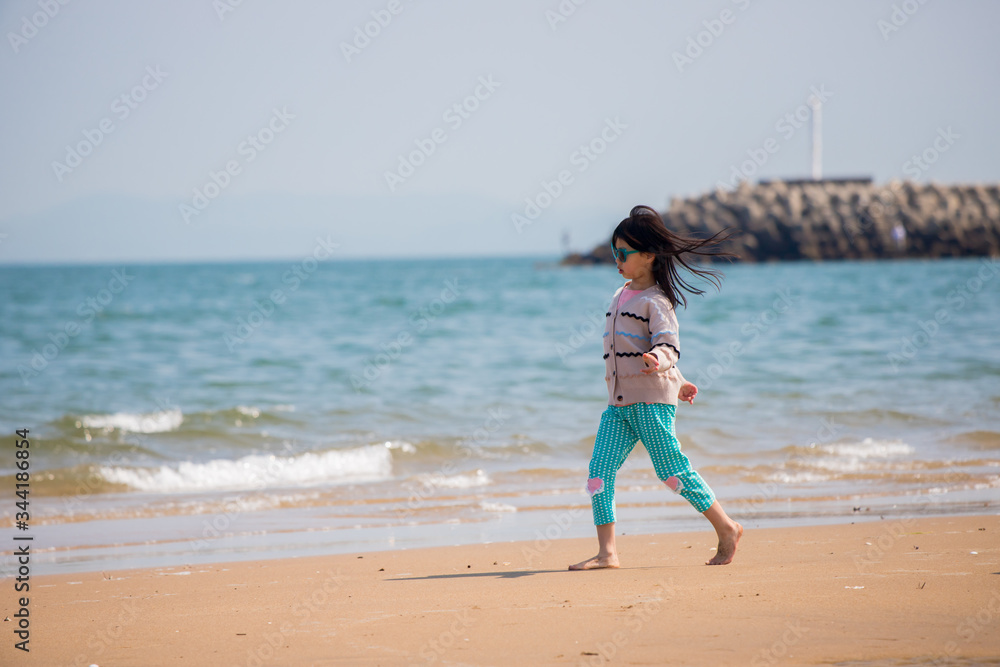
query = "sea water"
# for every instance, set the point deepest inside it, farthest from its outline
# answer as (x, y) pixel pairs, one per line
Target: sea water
(210, 412)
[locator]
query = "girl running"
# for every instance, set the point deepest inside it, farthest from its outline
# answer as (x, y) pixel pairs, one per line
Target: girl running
(641, 349)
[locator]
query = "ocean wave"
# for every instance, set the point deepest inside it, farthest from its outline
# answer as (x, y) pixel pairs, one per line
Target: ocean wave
(867, 456)
(257, 471)
(977, 439)
(881, 416)
(783, 477)
(468, 481)
(245, 415)
(401, 445)
(130, 422)
(496, 507)
(843, 460)
(869, 448)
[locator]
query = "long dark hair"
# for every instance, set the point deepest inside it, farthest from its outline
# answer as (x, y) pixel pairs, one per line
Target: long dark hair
(644, 230)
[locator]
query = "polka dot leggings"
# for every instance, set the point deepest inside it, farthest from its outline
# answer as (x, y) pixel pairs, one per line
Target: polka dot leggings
(621, 427)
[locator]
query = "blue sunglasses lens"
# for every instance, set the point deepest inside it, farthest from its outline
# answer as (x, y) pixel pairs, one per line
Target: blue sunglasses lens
(621, 254)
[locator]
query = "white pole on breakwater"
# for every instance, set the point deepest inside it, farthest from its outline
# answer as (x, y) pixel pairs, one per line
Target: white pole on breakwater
(817, 138)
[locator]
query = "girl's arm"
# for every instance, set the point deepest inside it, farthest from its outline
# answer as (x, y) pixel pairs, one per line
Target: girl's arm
(665, 344)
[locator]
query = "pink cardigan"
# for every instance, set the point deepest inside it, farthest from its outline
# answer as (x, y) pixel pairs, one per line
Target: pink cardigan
(644, 323)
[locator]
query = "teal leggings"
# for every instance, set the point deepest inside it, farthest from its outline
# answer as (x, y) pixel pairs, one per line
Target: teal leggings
(653, 423)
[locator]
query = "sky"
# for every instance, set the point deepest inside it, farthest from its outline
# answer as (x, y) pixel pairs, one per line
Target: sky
(204, 130)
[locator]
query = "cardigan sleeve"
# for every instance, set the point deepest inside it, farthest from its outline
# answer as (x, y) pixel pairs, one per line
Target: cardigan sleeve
(664, 341)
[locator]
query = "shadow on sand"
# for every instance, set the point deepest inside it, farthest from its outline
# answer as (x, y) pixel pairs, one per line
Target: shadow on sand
(462, 575)
(516, 574)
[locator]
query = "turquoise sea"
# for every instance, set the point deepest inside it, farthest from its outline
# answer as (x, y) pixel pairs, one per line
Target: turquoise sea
(185, 413)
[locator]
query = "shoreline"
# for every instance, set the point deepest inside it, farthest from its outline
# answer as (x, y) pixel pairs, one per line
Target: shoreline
(877, 590)
(208, 539)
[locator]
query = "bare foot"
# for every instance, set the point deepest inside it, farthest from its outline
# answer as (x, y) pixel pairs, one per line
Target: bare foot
(727, 546)
(596, 563)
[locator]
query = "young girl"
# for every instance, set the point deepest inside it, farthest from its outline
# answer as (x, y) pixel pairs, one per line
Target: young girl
(641, 349)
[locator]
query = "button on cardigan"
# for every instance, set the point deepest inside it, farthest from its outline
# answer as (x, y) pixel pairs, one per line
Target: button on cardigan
(645, 323)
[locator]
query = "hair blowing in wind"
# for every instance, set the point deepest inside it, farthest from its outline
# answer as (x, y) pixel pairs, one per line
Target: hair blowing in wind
(645, 231)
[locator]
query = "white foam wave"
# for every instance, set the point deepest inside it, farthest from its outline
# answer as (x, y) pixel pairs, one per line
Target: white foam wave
(259, 471)
(401, 445)
(845, 458)
(864, 456)
(992, 482)
(153, 422)
(479, 478)
(870, 448)
(797, 477)
(253, 503)
(497, 507)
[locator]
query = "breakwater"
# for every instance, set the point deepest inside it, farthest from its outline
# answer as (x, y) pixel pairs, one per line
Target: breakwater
(839, 219)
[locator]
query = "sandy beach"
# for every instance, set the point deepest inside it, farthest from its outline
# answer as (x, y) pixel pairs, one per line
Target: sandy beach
(871, 592)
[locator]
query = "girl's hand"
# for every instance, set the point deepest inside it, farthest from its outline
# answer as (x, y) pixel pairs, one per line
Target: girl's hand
(687, 392)
(652, 363)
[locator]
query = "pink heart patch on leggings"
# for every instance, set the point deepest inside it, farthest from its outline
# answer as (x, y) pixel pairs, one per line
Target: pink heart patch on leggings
(674, 484)
(594, 486)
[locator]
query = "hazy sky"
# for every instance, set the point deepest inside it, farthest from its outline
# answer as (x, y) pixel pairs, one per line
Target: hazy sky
(193, 129)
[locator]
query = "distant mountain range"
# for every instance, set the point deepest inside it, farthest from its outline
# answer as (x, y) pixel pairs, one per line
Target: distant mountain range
(232, 227)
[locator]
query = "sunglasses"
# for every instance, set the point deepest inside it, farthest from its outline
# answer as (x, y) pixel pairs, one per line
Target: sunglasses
(621, 254)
